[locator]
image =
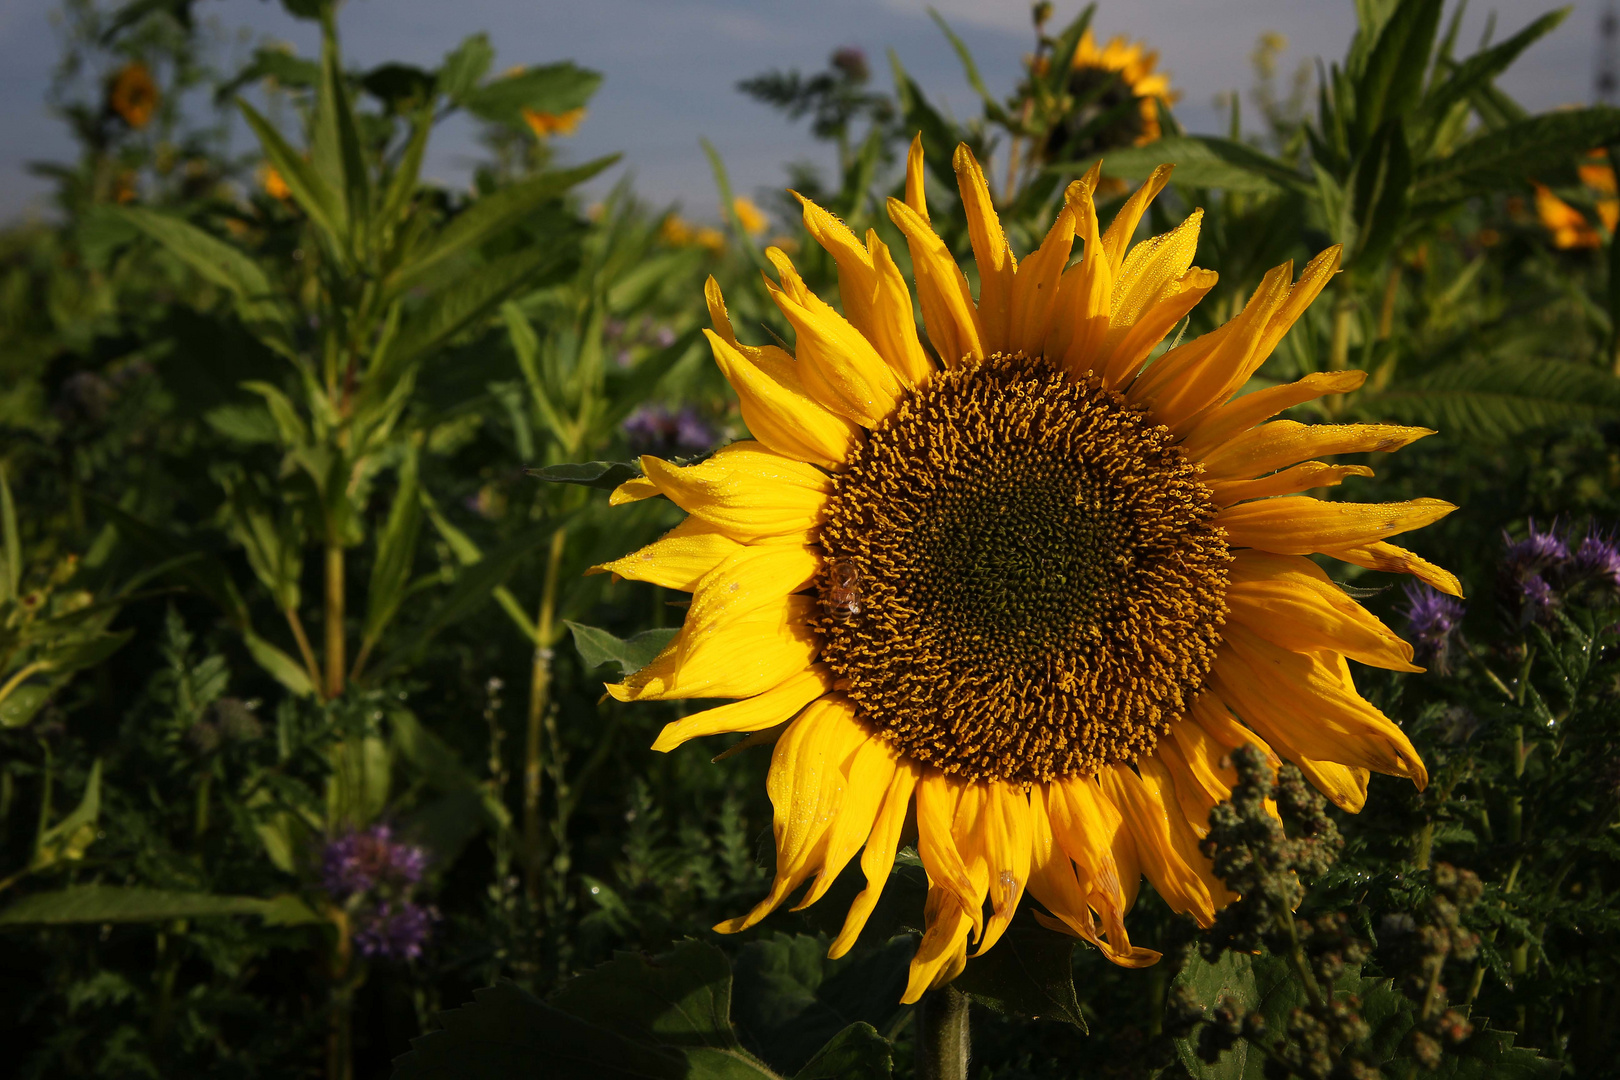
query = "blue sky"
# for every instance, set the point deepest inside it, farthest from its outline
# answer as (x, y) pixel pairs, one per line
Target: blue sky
(671, 66)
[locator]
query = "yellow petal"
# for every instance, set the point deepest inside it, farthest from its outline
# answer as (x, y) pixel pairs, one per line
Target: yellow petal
(1125, 357)
(1148, 819)
(1120, 231)
(758, 577)
(838, 365)
(1052, 882)
(676, 560)
(866, 783)
(1291, 602)
(1306, 706)
(758, 713)
(877, 860)
(1001, 837)
(942, 953)
(780, 412)
(633, 490)
(806, 787)
(1188, 379)
(1344, 785)
(746, 491)
(1160, 784)
(937, 802)
(1397, 560)
(1035, 287)
(857, 283)
(1148, 273)
(942, 288)
(1080, 315)
(1211, 716)
(1216, 425)
(915, 194)
(1302, 477)
(1284, 442)
(1299, 525)
(748, 658)
(894, 322)
(990, 252)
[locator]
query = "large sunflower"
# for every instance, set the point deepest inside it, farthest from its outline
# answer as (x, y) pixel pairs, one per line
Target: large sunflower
(1023, 586)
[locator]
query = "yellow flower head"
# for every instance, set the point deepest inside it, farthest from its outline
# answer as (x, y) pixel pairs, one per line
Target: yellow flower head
(1109, 76)
(132, 95)
(752, 218)
(1568, 226)
(544, 124)
(274, 184)
(678, 233)
(1017, 585)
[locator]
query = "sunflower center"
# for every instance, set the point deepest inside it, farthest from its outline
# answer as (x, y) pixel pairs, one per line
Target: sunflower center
(1023, 579)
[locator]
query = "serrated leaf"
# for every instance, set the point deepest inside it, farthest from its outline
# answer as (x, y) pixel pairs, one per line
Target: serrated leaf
(1393, 74)
(465, 66)
(604, 475)
(1497, 399)
(1203, 161)
(1504, 156)
(857, 1053)
(597, 647)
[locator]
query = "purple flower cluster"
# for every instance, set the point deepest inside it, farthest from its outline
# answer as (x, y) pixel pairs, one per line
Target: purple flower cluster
(1435, 620)
(373, 875)
(1542, 571)
(654, 429)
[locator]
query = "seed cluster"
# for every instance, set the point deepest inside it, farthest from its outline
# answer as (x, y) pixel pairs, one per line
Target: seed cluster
(1040, 585)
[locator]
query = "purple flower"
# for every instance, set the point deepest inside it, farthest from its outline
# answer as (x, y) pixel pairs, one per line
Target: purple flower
(1535, 554)
(1435, 619)
(1598, 560)
(362, 861)
(654, 429)
(1532, 572)
(393, 932)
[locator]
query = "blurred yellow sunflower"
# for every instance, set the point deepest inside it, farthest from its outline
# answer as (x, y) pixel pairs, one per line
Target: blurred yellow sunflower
(1111, 78)
(1568, 226)
(1018, 597)
(545, 124)
(132, 95)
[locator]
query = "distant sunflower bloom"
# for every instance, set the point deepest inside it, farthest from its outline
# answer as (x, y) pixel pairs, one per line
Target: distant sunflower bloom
(1568, 226)
(749, 216)
(1021, 585)
(1123, 71)
(132, 95)
(545, 125)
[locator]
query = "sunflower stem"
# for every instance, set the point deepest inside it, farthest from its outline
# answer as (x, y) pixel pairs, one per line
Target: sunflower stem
(942, 1035)
(534, 842)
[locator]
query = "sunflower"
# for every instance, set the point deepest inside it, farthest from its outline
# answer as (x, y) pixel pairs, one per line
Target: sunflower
(132, 95)
(1019, 596)
(545, 124)
(1568, 226)
(1118, 74)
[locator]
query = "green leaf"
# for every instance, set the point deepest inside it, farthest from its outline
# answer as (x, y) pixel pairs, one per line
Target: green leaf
(1504, 156)
(992, 107)
(1492, 400)
(1202, 161)
(467, 553)
(1478, 70)
(20, 706)
(116, 904)
(204, 572)
(1380, 186)
(1491, 1055)
(11, 539)
(471, 590)
(217, 262)
(68, 838)
(1030, 972)
(1060, 61)
(309, 189)
(605, 475)
(1391, 81)
(271, 63)
(1234, 977)
(464, 67)
(722, 181)
(278, 664)
(401, 87)
(633, 1018)
(598, 647)
(858, 1052)
(554, 88)
(493, 215)
(458, 307)
(396, 554)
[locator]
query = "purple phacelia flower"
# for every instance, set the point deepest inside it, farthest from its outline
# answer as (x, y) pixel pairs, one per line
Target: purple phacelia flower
(365, 860)
(654, 429)
(1435, 620)
(394, 931)
(1535, 555)
(1597, 561)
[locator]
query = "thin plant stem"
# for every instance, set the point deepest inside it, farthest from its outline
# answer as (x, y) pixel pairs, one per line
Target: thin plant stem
(539, 699)
(335, 650)
(311, 665)
(943, 1039)
(1386, 310)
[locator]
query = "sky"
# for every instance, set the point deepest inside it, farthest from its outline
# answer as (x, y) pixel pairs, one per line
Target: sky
(671, 67)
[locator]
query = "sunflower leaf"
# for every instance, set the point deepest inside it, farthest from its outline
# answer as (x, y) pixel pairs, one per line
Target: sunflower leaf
(599, 648)
(1029, 972)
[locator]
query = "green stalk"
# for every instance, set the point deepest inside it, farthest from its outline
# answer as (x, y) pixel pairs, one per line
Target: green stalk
(335, 666)
(539, 699)
(943, 1039)
(1344, 308)
(340, 1018)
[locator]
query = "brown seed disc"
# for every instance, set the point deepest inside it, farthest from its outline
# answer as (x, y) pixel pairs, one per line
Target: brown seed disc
(1023, 577)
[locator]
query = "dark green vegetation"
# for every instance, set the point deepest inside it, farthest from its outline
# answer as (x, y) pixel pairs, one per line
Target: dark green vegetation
(302, 751)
